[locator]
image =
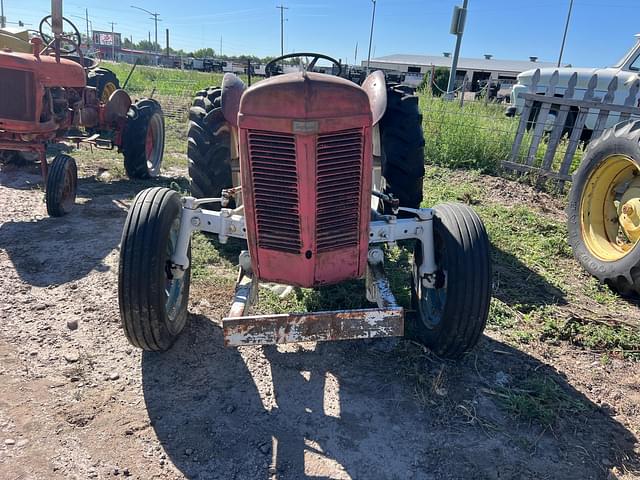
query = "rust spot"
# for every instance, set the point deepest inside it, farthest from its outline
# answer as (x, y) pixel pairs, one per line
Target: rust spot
(318, 326)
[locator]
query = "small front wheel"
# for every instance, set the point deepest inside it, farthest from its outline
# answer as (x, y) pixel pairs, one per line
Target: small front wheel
(62, 185)
(153, 302)
(450, 317)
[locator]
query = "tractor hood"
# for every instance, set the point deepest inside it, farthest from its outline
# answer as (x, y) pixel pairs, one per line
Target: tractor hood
(584, 75)
(47, 71)
(304, 95)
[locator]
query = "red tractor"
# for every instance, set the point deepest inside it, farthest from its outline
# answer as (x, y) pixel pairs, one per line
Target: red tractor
(318, 174)
(46, 99)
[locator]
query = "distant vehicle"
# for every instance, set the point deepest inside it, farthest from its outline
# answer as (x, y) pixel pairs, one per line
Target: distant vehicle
(413, 80)
(627, 70)
(233, 67)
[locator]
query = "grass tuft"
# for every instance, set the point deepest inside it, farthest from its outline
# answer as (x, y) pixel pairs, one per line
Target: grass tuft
(539, 399)
(593, 335)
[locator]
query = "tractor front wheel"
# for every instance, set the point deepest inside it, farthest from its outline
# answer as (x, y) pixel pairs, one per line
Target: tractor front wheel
(153, 302)
(604, 209)
(62, 185)
(450, 316)
(143, 139)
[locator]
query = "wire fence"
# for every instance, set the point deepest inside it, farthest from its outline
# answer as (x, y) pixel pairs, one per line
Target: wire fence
(475, 133)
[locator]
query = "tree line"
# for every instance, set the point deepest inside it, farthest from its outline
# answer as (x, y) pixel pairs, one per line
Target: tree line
(208, 52)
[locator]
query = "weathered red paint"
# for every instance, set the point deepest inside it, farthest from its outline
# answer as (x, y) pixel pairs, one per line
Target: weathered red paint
(27, 122)
(46, 73)
(313, 327)
(303, 106)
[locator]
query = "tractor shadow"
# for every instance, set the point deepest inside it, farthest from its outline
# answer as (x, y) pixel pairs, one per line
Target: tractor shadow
(515, 284)
(53, 251)
(354, 410)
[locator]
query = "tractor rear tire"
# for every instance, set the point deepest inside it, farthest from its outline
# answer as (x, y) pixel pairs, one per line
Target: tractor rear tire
(143, 139)
(450, 318)
(105, 82)
(153, 304)
(604, 203)
(209, 145)
(402, 141)
(62, 185)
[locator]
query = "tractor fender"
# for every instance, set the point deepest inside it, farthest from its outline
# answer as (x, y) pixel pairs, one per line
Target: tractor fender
(376, 88)
(232, 90)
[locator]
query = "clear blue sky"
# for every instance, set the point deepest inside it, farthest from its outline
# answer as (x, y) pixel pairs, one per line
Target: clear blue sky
(601, 30)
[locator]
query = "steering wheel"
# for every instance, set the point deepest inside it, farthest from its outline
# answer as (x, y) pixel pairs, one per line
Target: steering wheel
(68, 43)
(270, 70)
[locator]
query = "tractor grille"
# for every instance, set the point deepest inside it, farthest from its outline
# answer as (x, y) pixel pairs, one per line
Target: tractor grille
(339, 172)
(16, 97)
(275, 187)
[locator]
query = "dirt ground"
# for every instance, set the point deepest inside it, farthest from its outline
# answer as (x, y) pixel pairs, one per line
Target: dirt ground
(77, 401)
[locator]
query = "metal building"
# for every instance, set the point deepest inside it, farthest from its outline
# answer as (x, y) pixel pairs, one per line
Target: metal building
(474, 70)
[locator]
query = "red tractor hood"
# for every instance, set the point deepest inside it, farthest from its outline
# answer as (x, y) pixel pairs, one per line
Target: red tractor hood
(305, 161)
(47, 71)
(304, 95)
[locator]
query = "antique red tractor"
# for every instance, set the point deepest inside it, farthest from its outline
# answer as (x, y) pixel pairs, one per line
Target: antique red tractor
(318, 174)
(46, 99)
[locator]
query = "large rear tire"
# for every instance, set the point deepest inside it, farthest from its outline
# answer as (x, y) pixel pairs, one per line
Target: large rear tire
(143, 139)
(402, 141)
(604, 209)
(62, 185)
(209, 145)
(153, 304)
(450, 318)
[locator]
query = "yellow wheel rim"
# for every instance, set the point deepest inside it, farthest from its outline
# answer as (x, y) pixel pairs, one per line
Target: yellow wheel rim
(610, 208)
(108, 89)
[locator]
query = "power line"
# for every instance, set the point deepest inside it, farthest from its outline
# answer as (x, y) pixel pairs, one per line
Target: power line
(155, 20)
(282, 9)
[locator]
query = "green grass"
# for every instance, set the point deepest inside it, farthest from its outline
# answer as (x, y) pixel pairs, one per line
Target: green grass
(165, 81)
(479, 136)
(539, 399)
(475, 136)
(601, 337)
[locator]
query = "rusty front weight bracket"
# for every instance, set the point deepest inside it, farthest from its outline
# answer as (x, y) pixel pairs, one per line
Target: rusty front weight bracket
(385, 321)
(313, 327)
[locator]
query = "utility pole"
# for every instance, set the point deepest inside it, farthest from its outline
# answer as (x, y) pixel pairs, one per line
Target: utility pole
(373, 19)
(355, 56)
(457, 28)
(86, 15)
(566, 29)
(155, 20)
(3, 22)
(113, 42)
(282, 9)
(167, 42)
